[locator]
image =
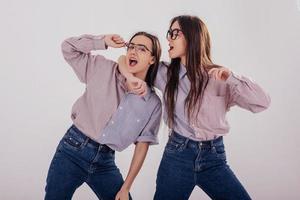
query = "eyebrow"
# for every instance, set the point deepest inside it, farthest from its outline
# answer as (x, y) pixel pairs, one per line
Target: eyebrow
(140, 45)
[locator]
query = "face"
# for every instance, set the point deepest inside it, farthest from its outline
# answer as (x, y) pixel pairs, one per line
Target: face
(177, 42)
(139, 55)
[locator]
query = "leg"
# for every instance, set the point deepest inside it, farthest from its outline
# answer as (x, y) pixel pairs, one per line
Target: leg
(175, 177)
(217, 179)
(106, 179)
(64, 176)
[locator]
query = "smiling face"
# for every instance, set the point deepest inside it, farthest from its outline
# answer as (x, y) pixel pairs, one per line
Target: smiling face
(177, 42)
(139, 56)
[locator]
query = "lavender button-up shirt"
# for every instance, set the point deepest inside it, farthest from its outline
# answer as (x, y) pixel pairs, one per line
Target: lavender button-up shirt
(107, 112)
(218, 97)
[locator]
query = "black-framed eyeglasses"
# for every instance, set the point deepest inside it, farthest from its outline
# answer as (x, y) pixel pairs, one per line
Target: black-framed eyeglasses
(173, 33)
(139, 48)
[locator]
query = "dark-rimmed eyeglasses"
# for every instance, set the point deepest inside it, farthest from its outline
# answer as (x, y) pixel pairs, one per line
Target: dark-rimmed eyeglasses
(173, 33)
(139, 48)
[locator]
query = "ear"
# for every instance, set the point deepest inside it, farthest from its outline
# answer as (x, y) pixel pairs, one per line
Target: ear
(152, 60)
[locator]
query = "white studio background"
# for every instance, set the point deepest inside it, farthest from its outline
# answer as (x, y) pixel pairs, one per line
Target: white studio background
(259, 39)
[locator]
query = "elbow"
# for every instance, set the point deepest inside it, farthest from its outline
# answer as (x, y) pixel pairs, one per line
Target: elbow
(264, 105)
(65, 47)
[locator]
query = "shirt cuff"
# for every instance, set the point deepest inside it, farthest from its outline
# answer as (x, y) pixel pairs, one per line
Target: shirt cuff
(99, 43)
(146, 138)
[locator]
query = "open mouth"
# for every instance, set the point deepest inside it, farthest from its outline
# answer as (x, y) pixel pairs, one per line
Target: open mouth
(171, 48)
(132, 62)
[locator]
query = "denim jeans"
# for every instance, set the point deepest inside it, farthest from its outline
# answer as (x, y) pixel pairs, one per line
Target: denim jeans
(187, 163)
(79, 159)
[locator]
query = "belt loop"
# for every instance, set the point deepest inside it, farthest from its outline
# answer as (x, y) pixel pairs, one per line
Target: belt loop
(200, 144)
(186, 142)
(86, 141)
(99, 147)
(211, 143)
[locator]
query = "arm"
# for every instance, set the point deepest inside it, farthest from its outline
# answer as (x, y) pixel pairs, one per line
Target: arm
(146, 138)
(76, 51)
(242, 91)
(134, 84)
(137, 161)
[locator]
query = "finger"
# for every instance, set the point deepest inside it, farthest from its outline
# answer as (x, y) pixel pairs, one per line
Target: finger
(138, 84)
(139, 91)
(116, 36)
(144, 93)
(119, 41)
(219, 74)
(119, 45)
(211, 71)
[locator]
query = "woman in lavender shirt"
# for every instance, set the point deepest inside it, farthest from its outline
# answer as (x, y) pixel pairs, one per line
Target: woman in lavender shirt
(107, 117)
(197, 95)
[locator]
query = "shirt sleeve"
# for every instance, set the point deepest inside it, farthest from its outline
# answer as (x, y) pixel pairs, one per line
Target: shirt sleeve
(149, 133)
(246, 94)
(77, 53)
(161, 77)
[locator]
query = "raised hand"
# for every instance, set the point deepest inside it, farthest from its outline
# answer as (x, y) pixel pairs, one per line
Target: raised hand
(220, 73)
(114, 40)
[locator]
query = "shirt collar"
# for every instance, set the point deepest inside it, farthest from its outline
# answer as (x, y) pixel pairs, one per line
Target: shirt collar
(182, 71)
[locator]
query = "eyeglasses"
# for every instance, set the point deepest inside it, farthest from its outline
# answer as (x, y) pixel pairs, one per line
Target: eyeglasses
(139, 48)
(173, 34)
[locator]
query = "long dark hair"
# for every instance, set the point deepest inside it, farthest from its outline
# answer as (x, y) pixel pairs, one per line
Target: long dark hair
(198, 59)
(156, 52)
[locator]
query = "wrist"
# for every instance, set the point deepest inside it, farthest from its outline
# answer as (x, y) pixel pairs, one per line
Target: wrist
(125, 188)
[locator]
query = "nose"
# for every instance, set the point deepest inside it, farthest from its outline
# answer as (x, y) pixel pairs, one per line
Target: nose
(132, 52)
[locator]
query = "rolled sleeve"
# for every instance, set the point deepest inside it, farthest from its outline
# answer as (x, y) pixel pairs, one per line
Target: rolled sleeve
(149, 133)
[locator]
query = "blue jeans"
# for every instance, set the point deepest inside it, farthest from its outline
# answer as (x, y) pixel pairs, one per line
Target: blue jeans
(187, 163)
(79, 159)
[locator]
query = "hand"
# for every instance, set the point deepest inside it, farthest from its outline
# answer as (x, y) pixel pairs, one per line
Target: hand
(220, 73)
(134, 84)
(114, 40)
(123, 194)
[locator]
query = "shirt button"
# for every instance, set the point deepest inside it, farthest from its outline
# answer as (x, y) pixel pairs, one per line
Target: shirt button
(121, 107)
(112, 122)
(138, 120)
(103, 135)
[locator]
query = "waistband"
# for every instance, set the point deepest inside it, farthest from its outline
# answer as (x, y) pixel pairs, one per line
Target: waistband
(88, 140)
(188, 141)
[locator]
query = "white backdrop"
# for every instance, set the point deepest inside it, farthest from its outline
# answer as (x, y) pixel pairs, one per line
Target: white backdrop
(259, 39)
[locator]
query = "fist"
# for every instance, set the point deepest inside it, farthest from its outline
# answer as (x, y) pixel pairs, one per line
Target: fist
(114, 40)
(220, 73)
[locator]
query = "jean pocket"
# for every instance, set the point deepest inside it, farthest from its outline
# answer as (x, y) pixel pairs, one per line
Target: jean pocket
(70, 140)
(174, 145)
(214, 153)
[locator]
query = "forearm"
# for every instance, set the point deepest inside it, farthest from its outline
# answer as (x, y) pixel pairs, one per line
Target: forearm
(83, 44)
(123, 68)
(139, 155)
(247, 94)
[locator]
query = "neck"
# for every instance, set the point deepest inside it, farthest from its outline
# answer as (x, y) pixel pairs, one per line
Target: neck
(140, 75)
(183, 60)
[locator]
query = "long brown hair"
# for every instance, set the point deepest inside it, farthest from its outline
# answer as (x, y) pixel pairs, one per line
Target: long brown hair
(198, 59)
(156, 52)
